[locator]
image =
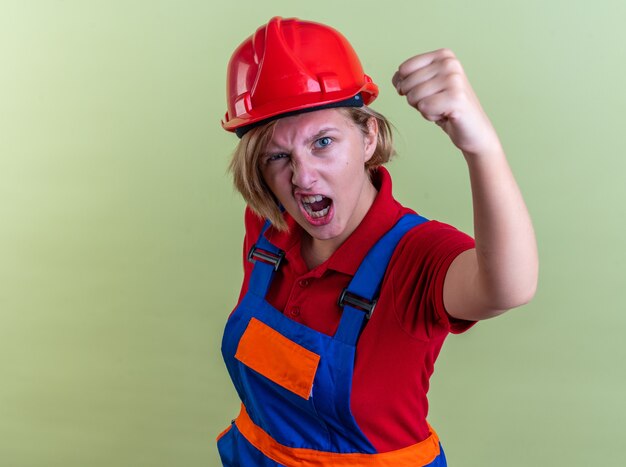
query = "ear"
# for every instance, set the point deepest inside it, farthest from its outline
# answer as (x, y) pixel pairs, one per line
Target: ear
(370, 139)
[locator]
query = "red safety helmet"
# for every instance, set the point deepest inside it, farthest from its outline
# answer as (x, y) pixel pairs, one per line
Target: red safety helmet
(289, 66)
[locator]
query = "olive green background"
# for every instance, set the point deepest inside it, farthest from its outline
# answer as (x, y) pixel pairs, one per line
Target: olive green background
(120, 234)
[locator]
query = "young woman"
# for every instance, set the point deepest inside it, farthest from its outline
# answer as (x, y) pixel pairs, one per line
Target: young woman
(347, 295)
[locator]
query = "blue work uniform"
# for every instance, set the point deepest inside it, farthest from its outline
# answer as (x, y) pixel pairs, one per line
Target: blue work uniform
(295, 382)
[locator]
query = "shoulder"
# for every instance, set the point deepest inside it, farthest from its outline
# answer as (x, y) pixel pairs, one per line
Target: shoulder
(417, 272)
(432, 238)
(426, 251)
(253, 222)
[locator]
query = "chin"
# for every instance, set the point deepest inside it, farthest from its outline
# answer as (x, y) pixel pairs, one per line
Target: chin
(326, 232)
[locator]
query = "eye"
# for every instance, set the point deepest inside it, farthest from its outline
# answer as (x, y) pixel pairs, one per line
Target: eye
(323, 142)
(275, 157)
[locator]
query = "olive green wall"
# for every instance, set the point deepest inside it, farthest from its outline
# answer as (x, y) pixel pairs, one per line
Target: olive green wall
(120, 235)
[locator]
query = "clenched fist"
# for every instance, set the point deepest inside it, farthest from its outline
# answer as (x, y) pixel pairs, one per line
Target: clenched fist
(436, 85)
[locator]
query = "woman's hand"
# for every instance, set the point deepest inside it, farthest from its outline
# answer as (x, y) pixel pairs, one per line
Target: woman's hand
(501, 272)
(436, 85)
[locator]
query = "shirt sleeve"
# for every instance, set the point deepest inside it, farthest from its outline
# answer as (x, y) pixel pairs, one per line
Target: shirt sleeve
(417, 272)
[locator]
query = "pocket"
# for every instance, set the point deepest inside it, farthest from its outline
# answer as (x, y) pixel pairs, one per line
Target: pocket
(278, 358)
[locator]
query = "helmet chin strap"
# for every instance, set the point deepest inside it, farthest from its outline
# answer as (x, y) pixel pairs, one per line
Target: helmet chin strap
(355, 101)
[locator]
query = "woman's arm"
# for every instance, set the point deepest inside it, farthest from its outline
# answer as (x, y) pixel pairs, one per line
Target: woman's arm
(501, 272)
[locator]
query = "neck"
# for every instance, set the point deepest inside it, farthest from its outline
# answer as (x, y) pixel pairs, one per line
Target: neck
(315, 251)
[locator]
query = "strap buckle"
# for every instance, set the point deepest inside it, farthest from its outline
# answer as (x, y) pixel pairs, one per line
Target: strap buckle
(358, 302)
(266, 256)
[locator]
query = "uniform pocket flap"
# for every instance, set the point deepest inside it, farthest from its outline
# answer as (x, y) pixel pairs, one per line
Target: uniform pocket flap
(278, 358)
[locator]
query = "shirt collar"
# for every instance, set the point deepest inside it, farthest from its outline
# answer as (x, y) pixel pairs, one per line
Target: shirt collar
(382, 215)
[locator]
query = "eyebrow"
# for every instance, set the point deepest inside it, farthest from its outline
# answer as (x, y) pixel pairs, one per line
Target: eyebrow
(320, 133)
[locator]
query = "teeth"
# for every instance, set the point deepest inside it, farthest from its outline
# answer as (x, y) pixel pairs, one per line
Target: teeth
(308, 200)
(312, 199)
(321, 213)
(315, 214)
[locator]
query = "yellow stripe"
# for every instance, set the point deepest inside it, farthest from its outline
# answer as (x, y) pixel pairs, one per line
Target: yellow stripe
(420, 454)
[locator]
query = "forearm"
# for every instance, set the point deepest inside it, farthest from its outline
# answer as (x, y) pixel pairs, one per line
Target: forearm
(501, 272)
(506, 250)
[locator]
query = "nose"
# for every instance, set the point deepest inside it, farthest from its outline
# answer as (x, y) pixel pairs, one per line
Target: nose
(304, 174)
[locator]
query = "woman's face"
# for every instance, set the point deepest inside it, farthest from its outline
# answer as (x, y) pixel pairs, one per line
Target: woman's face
(315, 166)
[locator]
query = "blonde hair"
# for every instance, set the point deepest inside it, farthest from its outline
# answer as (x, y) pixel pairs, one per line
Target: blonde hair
(245, 162)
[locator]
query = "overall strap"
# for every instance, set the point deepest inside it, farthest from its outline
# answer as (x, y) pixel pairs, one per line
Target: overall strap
(359, 298)
(267, 259)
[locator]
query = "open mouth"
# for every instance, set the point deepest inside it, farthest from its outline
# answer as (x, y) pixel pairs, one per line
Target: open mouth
(316, 206)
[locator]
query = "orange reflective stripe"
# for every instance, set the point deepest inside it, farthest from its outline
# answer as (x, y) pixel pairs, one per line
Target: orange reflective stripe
(277, 358)
(420, 454)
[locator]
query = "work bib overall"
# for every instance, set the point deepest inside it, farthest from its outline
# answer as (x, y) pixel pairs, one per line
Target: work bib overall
(295, 382)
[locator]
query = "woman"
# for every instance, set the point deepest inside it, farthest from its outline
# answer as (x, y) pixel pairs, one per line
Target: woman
(347, 295)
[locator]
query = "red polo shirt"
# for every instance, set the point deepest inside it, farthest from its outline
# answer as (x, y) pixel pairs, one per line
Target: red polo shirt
(397, 350)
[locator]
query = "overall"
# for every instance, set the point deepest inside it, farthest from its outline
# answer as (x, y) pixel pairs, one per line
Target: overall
(295, 382)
